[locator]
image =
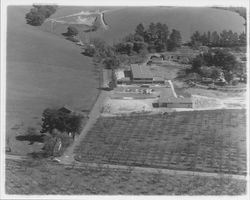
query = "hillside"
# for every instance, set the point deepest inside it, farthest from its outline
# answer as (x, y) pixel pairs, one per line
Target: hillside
(43, 70)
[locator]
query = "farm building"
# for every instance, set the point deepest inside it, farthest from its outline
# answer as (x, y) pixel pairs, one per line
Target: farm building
(183, 54)
(106, 78)
(138, 74)
(141, 74)
(168, 100)
(156, 57)
(172, 102)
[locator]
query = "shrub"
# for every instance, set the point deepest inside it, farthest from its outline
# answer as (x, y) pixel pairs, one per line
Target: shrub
(72, 31)
(235, 82)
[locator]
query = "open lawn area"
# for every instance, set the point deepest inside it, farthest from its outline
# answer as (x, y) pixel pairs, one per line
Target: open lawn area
(40, 177)
(208, 141)
(43, 70)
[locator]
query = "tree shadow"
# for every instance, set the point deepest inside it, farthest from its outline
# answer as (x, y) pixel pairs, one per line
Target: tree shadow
(38, 155)
(31, 138)
(87, 54)
(66, 34)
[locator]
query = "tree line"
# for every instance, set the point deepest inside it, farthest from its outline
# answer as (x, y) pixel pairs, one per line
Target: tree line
(214, 39)
(155, 38)
(134, 47)
(38, 14)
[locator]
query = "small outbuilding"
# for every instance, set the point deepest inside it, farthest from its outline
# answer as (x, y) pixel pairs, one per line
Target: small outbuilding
(172, 102)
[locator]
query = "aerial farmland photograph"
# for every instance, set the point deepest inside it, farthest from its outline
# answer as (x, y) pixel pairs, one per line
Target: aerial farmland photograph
(126, 100)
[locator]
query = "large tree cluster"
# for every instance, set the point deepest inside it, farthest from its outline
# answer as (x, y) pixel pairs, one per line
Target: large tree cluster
(39, 13)
(212, 63)
(155, 38)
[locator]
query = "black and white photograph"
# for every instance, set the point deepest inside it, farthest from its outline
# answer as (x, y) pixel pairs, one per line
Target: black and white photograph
(124, 99)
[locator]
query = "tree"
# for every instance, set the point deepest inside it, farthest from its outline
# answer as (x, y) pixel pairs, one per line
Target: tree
(72, 31)
(215, 38)
(139, 47)
(111, 62)
(242, 39)
(225, 60)
(140, 30)
(196, 39)
(174, 40)
(125, 48)
(215, 73)
(34, 18)
(228, 76)
(63, 122)
(197, 63)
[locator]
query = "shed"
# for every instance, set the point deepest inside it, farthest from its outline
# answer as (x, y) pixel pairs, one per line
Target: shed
(172, 102)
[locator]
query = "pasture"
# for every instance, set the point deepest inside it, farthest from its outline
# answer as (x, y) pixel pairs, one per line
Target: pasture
(207, 141)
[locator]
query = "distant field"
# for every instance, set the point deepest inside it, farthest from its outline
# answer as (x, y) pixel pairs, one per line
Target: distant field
(43, 70)
(209, 141)
(38, 177)
(123, 21)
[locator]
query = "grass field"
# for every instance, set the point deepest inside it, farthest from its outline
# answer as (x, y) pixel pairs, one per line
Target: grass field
(43, 70)
(123, 21)
(38, 177)
(209, 141)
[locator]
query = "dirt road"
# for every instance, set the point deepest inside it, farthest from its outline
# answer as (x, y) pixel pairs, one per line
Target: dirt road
(68, 156)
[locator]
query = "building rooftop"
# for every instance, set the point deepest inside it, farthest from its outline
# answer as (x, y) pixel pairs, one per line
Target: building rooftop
(141, 71)
(167, 96)
(175, 100)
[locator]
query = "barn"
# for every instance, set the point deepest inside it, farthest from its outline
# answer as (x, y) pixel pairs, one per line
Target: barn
(141, 74)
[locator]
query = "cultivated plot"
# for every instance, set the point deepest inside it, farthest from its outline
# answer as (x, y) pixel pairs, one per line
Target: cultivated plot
(208, 141)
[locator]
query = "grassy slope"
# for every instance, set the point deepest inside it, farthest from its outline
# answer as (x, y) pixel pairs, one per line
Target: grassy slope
(124, 20)
(43, 70)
